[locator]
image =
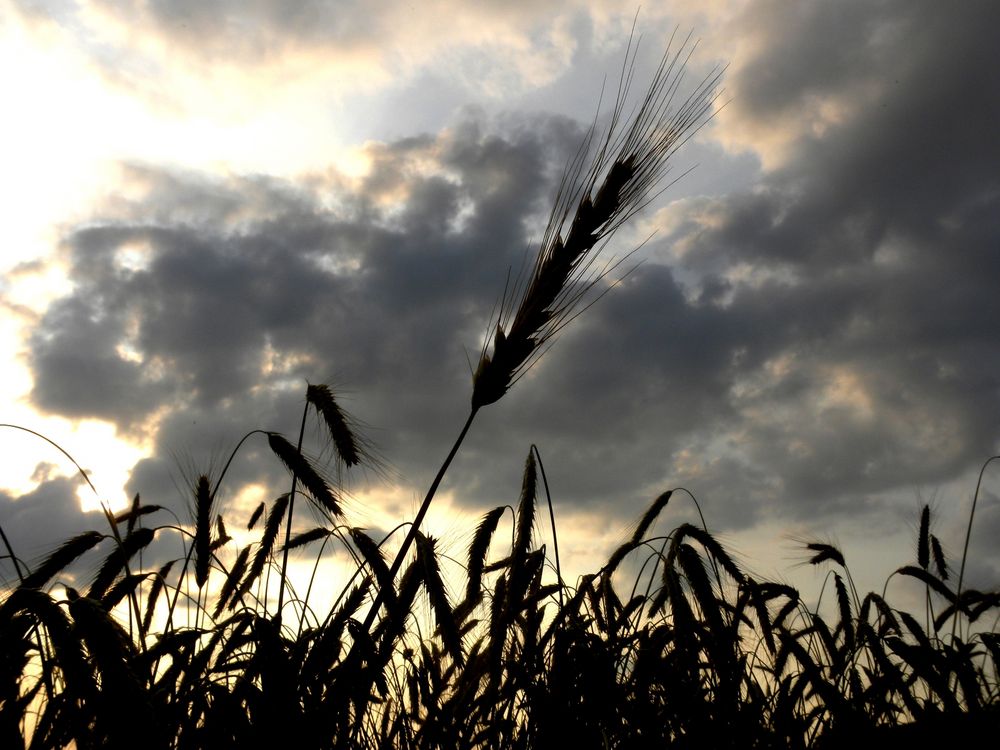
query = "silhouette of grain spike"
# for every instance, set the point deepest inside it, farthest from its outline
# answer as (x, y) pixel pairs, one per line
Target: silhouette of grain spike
(373, 556)
(716, 550)
(326, 648)
(267, 539)
(64, 555)
(159, 581)
(916, 631)
(64, 644)
(130, 514)
(890, 673)
(922, 575)
(118, 559)
(477, 554)
(684, 621)
(308, 537)
(597, 608)
(134, 513)
(521, 579)
(923, 538)
(650, 515)
(299, 466)
(222, 537)
(112, 652)
(391, 627)
(811, 671)
(434, 585)
(825, 552)
(628, 163)
(337, 424)
(887, 617)
(924, 666)
(638, 536)
(939, 560)
(232, 581)
(846, 623)
(618, 555)
(107, 642)
(202, 529)
(697, 577)
(784, 611)
(819, 627)
(255, 516)
(124, 587)
(540, 593)
(525, 510)
(759, 602)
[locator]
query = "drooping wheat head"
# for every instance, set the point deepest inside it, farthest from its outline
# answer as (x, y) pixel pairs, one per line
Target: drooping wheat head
(626, 166)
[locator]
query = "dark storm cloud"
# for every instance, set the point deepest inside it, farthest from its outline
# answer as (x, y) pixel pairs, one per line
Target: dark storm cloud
(917, 144)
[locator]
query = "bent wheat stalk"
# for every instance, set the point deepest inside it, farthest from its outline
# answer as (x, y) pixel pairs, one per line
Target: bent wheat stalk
(626, 166)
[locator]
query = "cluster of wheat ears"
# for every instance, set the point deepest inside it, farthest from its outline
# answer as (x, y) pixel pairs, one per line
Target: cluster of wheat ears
(669, 644)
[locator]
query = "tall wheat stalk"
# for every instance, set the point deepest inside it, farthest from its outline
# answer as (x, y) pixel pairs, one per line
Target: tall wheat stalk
(610, 179)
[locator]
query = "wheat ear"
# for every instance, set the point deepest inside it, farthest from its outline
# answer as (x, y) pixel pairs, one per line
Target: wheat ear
(202, 529)
(627, 165)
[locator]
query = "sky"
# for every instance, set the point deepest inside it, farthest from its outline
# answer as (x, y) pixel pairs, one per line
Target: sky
(210, 204)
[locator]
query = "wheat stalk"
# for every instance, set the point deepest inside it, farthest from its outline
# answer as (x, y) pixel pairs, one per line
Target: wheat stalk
(625, 167)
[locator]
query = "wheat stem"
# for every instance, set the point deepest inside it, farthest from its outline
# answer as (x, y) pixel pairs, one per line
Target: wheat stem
(968, 535)
(411, 534)
(288, 523)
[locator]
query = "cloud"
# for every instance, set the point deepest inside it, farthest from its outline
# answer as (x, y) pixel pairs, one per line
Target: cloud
(36, 522)
(170, 50)
(808, 73)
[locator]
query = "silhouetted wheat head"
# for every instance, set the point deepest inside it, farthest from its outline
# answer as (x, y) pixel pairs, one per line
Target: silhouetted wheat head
(595, 198)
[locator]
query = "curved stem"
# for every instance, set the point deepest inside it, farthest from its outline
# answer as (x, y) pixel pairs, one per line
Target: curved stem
(415, 527)
(59, 448)
(965, 549)
(288, 523)
(365, 688)
(232, 455)
(13, 557)
(552, 521)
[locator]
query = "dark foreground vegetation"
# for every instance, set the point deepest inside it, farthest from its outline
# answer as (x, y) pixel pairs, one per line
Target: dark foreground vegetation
(680, 649)
(669, 645)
